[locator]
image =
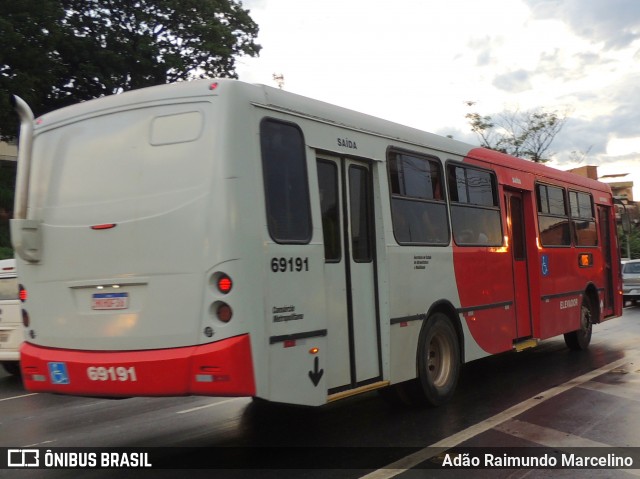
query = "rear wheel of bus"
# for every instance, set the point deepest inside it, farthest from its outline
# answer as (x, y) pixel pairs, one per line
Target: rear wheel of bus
(579, 339)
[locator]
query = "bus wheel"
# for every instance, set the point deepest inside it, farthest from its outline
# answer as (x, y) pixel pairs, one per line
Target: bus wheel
(438, 361)
(579, 339)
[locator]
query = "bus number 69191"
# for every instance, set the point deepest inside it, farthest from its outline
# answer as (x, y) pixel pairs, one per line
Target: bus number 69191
(120, 373)
(283, 265)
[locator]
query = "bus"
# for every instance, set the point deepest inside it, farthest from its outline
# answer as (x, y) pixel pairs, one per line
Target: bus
(10, 318)
(220, 238)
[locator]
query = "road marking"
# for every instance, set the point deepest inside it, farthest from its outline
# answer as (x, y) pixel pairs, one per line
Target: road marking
(18, 397)
(412, 460)
(618, 390)
(208, 405)
(545, 436)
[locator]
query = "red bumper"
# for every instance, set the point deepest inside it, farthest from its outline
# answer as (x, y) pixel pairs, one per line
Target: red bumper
(223, 368)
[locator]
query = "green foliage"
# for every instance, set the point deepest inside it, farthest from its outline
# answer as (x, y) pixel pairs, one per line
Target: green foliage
(526, 134)
(55, 53)
(634, 242)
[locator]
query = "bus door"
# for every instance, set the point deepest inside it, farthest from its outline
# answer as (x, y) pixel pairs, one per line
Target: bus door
(517, 241)
(605, 238)
(353, 337)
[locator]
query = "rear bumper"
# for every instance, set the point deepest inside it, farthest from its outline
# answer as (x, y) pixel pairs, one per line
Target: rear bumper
(223, 368)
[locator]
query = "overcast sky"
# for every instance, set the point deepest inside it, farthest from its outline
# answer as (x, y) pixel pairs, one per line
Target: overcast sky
(418, 62)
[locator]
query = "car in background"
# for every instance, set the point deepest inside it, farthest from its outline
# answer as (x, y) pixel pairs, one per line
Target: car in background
(11, 335)
(631, 280)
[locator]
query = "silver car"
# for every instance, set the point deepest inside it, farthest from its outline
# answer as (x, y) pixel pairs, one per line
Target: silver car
(631, 280)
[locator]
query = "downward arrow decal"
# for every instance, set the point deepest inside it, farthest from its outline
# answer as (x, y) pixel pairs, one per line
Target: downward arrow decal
(316, 374)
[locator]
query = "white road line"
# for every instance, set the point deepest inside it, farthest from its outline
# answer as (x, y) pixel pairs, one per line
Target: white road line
(18, 397)
(208, 405)
(427, 453)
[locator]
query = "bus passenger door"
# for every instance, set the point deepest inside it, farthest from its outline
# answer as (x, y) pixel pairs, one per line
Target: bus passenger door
(518, 246)
(605, 238)
(346, 201)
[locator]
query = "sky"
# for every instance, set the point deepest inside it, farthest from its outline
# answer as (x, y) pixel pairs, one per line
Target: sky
(420, 63)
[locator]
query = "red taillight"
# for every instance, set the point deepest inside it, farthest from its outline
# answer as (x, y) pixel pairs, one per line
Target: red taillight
(22, 293)
(224, 284)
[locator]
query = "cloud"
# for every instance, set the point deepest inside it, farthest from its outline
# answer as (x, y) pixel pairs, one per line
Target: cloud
(513, 82)
(616, 23)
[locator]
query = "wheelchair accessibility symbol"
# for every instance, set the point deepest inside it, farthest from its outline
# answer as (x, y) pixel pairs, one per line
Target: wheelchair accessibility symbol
(545, 265)
(58, 373)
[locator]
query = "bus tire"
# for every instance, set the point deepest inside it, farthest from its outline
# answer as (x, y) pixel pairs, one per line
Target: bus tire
(579, 339)
(438, 361)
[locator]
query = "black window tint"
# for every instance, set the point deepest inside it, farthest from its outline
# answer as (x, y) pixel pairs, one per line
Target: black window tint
(475, 212)
(418, 209)
(285, 182)
(360, 212)
(471, 186)
(419, 221)
(328, 186)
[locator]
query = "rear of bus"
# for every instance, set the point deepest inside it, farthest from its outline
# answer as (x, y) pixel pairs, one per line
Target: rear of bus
(10, 318)
(125, 249)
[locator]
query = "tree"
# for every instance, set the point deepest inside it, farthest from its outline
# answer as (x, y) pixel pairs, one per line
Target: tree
(526, 134)
(58, 52)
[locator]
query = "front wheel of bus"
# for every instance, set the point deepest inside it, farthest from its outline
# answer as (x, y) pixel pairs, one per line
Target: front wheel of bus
(579, 339)
(438, 360)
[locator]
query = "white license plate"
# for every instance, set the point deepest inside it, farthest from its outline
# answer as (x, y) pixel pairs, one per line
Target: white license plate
(107, 301)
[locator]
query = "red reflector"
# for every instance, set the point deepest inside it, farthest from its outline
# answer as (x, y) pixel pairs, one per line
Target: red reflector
(213, 86)
(225, 284)
(106, 226)
(224, 312)
(22, 294)
(289, 343)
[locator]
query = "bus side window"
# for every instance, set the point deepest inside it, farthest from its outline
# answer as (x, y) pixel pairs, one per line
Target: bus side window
(284, 168)
(553, 219)
(418, 209)
(328, 186)
(475, 210)
(583, 219)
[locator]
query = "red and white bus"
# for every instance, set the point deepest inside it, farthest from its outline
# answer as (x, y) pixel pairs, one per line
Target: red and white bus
(225, 239)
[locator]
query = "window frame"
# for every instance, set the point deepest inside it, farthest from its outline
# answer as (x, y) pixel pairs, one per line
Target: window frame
(581, 218)
(548, 214)
(432, 161)
(496, 207)
(270, 205)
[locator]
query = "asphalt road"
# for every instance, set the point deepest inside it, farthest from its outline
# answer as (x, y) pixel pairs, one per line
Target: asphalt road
(546, 396)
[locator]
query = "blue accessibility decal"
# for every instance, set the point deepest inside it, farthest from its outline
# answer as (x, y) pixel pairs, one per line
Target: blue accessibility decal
(58, 373)
(545, 264)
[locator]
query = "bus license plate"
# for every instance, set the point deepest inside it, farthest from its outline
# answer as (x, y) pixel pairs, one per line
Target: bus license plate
(107, 301)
